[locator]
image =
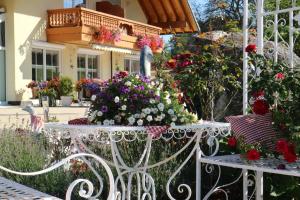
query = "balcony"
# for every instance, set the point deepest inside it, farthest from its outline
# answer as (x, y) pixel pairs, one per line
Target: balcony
(78, 25)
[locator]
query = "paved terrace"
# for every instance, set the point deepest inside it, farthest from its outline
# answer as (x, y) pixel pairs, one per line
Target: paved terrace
(15, 115)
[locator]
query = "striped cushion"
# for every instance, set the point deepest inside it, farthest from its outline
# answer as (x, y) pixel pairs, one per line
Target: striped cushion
(254, 129)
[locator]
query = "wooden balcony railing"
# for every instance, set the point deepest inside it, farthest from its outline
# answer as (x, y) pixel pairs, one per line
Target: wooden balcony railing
(76, 17)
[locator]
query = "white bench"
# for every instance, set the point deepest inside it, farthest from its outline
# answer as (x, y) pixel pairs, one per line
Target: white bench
(10, 190)
(259, 167)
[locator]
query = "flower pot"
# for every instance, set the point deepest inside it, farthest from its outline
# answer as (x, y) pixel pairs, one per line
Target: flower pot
(66, 100)
(87, 93)
(52, 101)
(34, 92)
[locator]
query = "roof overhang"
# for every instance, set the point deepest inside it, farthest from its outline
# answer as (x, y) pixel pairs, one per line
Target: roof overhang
(173, 16)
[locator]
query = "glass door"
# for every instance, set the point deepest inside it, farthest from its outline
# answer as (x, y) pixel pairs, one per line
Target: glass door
(2, 58)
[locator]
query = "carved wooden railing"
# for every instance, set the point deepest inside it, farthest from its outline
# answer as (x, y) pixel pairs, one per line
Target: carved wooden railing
(73, 17)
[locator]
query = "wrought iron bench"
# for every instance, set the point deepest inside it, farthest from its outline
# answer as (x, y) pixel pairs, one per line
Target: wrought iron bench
(270, 165)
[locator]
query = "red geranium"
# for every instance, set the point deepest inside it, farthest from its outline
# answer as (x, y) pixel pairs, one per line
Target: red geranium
(279, 76)
(260, 107)
(251, 48)
(232, 142)
(123, 74)
(253, 154)
(171, 63)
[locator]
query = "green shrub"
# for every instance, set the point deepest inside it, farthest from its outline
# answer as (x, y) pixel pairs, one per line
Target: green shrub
(66, 86)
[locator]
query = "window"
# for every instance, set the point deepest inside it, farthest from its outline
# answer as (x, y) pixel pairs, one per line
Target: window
(132, 65)
(45, 64)
(74, 3)
(87, 66)
(2, 31)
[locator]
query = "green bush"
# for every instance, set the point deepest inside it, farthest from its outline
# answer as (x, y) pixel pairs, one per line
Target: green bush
(66, 86)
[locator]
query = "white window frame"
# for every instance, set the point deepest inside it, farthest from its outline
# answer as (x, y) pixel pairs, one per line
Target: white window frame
(45, 46)
(87, 53)
(2, 19)
(131, 58)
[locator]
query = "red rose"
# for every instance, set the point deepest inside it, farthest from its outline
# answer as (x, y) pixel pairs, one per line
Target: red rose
(232, 142)
(279, 76)
(253, 154)
(259, 93)
(123, 74)
(290, 157)
(260, 107)
(282, 146)
(186, 63)
(251, 48)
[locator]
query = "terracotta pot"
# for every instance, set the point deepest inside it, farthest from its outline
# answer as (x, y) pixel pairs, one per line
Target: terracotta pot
(87, 93)
(34, 92)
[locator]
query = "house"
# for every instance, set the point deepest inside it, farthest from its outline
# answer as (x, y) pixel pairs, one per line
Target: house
(40, 39)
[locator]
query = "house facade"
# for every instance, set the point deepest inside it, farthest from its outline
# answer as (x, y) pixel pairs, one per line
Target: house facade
(40, 39)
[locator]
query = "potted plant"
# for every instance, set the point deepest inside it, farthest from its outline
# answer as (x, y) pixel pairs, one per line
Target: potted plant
(50, 93)
(65, 90)
(33, 85)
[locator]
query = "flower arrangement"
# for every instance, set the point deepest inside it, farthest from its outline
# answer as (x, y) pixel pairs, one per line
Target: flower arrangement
(154, 42)
(32, 84)
(103, 34)
(89, 85)
(136, 100)
(275, 89)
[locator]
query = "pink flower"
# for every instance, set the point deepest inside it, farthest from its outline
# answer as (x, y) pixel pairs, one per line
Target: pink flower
(279, 76)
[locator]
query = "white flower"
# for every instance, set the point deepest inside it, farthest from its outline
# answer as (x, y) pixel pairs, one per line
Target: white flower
(143, 115)
(154, 110)
(131, 120)
(92, 116)
(123, 114)
(152, 83)
(125, 99)
(161, 106)
(163, 115)
(117, 99)
(171, 112)
(112, 122)
(99, 114)
(158, 118)
(167, 94)
(169, 101)
(99, 123)
(106, 122)
(124, 107)
(137, 76)
(181, 120)
(140, 122)
(152, 101)
(137, 116)
(128, 83)
(172, 124)
(174, 118)
(147, 111)
(149, 118)
(93, 98)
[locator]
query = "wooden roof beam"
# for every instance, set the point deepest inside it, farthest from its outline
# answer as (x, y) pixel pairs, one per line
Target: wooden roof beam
(156, 4)
(153, 18)
(169, 10)
(189, 14)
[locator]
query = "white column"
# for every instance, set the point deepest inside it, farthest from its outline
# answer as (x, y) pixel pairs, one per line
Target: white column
(259, 183)
(260, 26)
(245, 184)
(198, 174)
(245, 57)
(291, 39)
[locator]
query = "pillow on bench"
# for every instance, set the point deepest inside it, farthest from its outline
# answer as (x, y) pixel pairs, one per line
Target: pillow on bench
(254, 129)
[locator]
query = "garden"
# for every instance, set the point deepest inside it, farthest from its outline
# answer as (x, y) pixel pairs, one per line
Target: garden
(209, 98)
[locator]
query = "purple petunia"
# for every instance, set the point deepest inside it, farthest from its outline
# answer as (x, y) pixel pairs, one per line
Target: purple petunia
(124, 90)
(104, 109)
